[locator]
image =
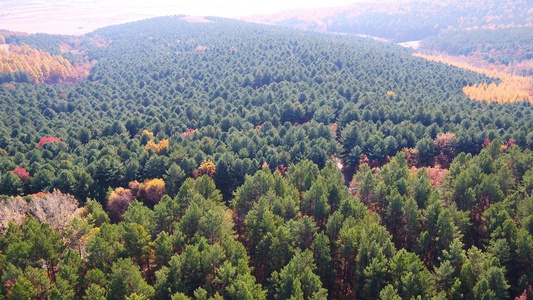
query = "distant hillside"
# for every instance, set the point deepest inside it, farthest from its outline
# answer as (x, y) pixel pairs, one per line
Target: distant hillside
(407, 20)
(495, 31)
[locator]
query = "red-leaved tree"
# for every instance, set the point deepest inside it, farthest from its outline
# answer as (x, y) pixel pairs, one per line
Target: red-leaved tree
(48, 139)
(21, 173)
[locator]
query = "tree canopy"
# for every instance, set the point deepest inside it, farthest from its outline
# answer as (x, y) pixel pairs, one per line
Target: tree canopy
(243, 161)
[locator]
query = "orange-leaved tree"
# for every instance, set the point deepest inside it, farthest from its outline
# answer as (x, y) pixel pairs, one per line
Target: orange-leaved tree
(413, 156)
(151, 190)
(148, 133)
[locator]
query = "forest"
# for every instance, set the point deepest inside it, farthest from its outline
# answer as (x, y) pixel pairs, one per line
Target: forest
(496, 45)
(231, 160)
(407, 20)
(497, 32)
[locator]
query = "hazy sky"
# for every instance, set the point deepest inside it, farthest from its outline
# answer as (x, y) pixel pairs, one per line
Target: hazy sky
(224, 8)
(81, 16)
(239, 8)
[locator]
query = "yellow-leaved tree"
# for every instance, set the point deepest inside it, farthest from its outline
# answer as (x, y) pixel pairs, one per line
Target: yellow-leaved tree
(159, 147)
(40, 66)
(207, 168)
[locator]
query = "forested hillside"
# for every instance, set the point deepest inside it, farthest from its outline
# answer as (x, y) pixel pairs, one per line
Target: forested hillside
(408, 20)
(201, 160)
(494, 31)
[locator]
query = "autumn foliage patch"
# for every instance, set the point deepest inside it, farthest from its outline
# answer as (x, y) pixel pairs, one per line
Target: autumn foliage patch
(207, 168)
(21, 173)
(148, 133)
(189, 132)
(42, 67)
(118, 203)
(48, 139)
(512, 88)
(162, 145)
(151, 190)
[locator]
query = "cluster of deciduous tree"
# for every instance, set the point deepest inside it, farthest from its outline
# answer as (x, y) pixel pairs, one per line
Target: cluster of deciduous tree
(510, 88)
(38, 66)
(159, 147)
(301, 235)
(73, 48)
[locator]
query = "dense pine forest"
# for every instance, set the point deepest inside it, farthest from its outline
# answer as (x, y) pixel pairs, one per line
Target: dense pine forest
(408, 20)
(218, 159)
(491, 31)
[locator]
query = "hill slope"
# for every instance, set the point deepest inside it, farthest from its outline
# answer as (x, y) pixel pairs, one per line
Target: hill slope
(226, 78)
(407, 20)
(494, 31)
